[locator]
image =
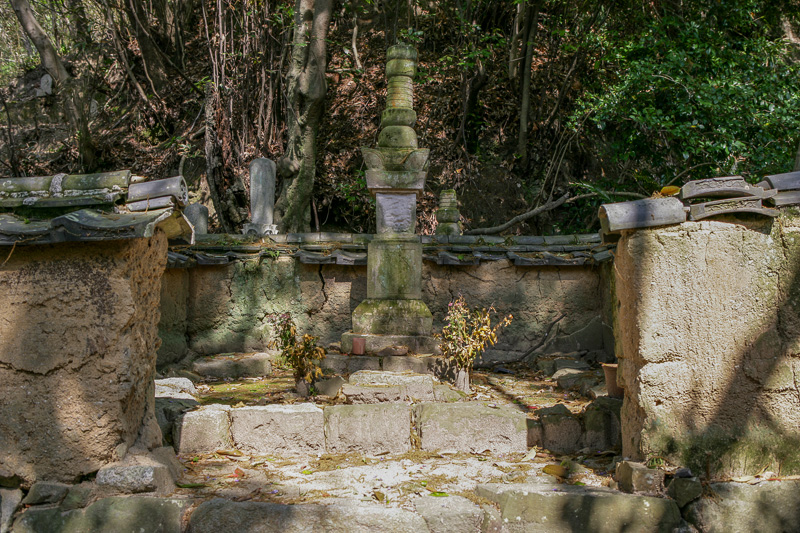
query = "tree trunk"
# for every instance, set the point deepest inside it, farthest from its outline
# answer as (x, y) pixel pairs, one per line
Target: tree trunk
(154, 67)
(797, 159)
(532, 20)
(306, 88)
(73, 99)
(462, 380)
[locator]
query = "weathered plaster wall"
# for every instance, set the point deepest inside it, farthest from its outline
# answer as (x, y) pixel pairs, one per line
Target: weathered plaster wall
(218, 309)
(709, 337)
(78, 341)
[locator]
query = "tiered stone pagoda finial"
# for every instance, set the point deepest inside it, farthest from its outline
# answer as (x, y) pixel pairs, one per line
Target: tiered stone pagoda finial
(393, 313)
(448, 215)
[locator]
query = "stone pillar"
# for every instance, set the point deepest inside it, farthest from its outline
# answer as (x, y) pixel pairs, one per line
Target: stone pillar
(197, 214)
(448, 215)
(262, 198)
(78, 341)
(393, 313)
(708, 339)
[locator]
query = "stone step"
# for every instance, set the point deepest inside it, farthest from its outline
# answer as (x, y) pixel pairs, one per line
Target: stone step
(369, 429)
(235, 365)
(545, 508)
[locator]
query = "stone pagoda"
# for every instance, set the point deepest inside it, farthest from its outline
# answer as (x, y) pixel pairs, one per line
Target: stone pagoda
(393, 313)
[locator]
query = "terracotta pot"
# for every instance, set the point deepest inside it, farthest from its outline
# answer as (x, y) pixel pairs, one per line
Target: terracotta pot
(614, 390)
(359, 344)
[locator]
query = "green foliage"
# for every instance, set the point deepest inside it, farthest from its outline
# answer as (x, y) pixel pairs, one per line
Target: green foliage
(467, 333)
(302, 355)
(708, 85)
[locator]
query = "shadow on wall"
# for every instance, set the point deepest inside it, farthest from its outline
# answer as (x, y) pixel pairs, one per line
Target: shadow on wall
(709, 329)
(78, 337)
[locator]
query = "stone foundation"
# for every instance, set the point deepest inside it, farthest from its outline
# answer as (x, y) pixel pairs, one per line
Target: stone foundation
(222, 309)
(709, 344)
(78, 341)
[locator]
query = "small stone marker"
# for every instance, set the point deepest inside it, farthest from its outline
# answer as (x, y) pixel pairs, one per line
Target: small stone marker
(731, 205)
(723, 187)
(198, 217)
(448, 215)
(641, 214)
(45, 86)
(636, 477)
(262, 198)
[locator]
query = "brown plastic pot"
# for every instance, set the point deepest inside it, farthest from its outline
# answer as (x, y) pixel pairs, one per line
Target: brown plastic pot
(614, 390)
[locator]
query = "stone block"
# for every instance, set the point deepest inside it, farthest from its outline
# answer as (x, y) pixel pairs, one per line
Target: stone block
(204, 430)
(135, 478)
(141, 514)
(415, 387)
(528, 507)
(601, 422)
(77, 497)
(234, 366)
(362, 394)
(535, 433)
(685, 490)
(571, 378)
(9, 501)
(770, 507)
(405, 363)
(262, 191)
(449, 515)
(279, 429)
(219, 515)
(392, 317)
(362, 362)
(177, 388)
(46, 492)
(197, 214)
(636, 477)
(471, 427)
(443, 393)
(168, 412)
(394, 270)
(561, 430)
(396, 212)
(331, 386)
(368, 429)
(551, 365)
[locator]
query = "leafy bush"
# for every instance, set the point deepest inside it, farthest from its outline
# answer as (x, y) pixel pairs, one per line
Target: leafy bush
(467, 333)
(304, 356)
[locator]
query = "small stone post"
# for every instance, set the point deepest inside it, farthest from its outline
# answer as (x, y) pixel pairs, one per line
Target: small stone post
(393, 313)
(448, 215)
(197, 214)
(262, 198)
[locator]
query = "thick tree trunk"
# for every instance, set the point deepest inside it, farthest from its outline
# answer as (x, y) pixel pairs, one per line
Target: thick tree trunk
(73, 99)
(154, 66)
(306, 88)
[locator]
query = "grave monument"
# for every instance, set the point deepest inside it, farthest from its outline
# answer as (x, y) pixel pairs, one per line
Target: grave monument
(393, 313)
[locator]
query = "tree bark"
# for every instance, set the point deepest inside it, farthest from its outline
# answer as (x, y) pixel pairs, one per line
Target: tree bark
(797, 159)
(73, 99)
(532, 19)
(306, 88)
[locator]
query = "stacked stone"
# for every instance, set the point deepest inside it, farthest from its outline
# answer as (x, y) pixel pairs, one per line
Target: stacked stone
(448, 215)
(393, 313)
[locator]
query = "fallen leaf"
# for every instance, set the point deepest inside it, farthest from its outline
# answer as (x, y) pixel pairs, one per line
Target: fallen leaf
(232, 452)
(555, 470)
(306, 472)
(190, 485)
(439, 494)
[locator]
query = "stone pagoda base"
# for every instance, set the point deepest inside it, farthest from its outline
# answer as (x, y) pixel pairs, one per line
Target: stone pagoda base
(419, 344)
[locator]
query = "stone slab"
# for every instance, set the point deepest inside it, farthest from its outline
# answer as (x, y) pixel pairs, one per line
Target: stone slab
(368, 429)
(136, 478)
(223, 516)
(545, 508)
(471, 427)
(279, 429)
(138, 514)
(46, 492)
(414, 387)
(419, 344)
(403, 363)
(177, 388)
(449, 515)
(769, 507)
(203, 430)
(362, 394)
(243, 365)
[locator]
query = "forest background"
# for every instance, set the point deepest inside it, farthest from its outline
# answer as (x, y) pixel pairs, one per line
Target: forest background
(535, 111)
